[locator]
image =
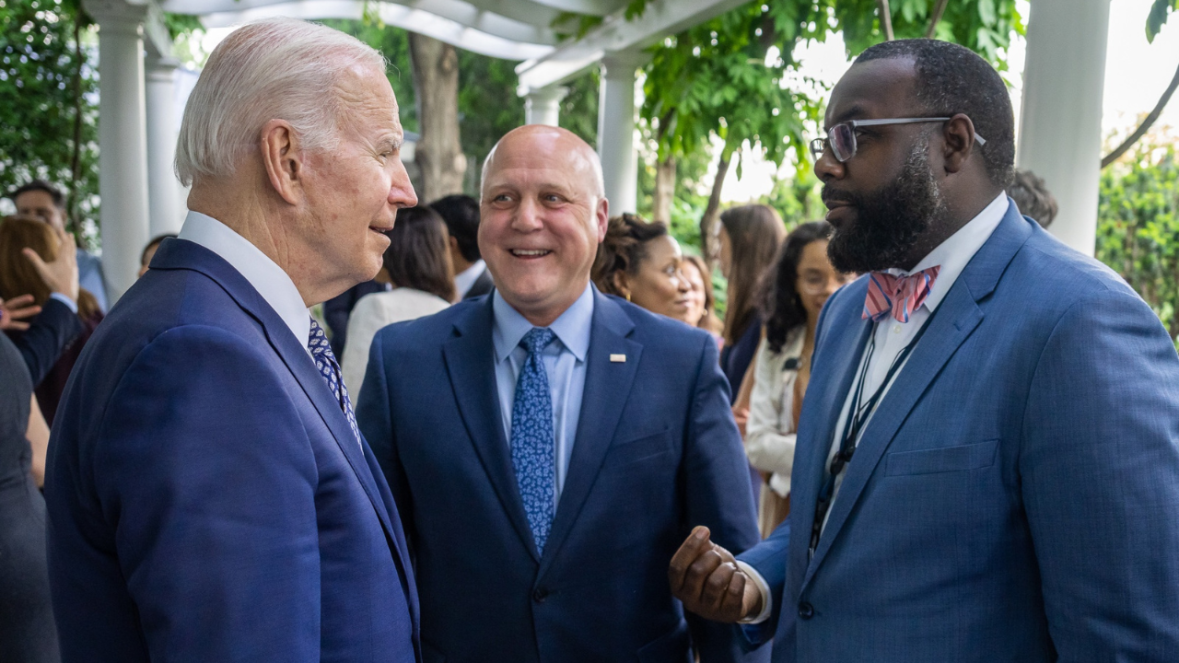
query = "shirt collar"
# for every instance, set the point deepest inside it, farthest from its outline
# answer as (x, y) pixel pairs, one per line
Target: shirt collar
(274, 284)
(956, 251)
(466, 278)
(572, 327)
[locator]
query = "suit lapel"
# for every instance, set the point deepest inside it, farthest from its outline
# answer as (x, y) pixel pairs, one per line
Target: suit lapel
(607, 389)
(183, 254)
(470, 357)
(951, 324)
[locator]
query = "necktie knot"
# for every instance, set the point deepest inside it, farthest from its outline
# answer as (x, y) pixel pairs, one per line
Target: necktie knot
(536, 340)
(897, 295)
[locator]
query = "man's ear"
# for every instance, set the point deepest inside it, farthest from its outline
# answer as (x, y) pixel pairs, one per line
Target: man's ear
(282, 155)
(602, 216)
(958, 135)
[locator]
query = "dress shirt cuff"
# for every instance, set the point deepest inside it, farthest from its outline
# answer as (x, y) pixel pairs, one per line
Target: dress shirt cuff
(766, 600)
(73, 306)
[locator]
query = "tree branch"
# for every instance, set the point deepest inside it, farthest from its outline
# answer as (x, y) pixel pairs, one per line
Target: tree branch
(885, 19)
(938, 10)
(1146, 123)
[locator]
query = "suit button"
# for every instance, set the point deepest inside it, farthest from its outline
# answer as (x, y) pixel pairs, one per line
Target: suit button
(805, 610)
(540, 595)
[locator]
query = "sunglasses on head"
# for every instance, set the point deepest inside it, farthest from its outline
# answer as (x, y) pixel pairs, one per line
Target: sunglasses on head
(842, 137)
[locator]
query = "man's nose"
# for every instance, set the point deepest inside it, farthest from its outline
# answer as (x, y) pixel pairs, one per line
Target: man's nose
(401, 193)
(527, 217)
(827, 167)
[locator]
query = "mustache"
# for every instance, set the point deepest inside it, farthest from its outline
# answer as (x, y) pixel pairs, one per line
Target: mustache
(830, 193)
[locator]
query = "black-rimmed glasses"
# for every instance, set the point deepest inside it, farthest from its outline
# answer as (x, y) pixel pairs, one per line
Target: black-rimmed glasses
(842, 137)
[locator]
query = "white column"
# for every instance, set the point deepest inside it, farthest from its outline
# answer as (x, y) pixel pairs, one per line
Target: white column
(165, 206)
(543, 106)
(1060, 132)
(616, 130)
(122, 141)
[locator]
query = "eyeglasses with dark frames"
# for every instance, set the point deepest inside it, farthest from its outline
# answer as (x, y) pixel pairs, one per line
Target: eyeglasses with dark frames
(842, 137)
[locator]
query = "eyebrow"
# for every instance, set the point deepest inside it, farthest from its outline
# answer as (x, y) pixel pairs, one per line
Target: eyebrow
(853, 112)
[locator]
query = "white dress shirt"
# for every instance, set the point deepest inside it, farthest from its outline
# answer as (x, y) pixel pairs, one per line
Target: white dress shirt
(466, 278)
(891, 338)
(274, 284)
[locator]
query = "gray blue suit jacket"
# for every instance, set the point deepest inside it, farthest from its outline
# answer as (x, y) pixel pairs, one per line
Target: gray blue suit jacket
(1016, 495)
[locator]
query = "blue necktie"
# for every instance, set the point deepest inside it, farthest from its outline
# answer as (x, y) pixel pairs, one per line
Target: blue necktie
(325, 361)
(533, 444)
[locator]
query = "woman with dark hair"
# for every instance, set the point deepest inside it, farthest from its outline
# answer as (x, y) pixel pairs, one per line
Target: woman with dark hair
(640, 262)
(417, 264)
(747, 241)
(700, 286)
(18, 276)
(792, 296)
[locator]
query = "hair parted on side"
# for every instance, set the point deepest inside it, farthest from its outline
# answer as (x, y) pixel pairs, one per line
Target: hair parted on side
(623, 249)
(274, 69)
(953, 79)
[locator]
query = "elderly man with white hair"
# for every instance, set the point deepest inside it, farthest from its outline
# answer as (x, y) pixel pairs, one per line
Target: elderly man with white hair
(210, 497)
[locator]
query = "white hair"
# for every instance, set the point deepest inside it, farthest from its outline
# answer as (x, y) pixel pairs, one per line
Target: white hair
(274, 69)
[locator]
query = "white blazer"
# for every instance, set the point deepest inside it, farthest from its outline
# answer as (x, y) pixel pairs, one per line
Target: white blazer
(370, 315)
(769, 433)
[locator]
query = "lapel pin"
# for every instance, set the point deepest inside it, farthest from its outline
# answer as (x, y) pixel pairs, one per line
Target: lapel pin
(618, 359)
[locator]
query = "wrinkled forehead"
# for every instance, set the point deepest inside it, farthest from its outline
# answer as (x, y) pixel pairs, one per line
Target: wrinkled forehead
(875, 89)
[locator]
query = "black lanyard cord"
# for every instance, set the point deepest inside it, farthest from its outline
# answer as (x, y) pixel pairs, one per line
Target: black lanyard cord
(858, 414)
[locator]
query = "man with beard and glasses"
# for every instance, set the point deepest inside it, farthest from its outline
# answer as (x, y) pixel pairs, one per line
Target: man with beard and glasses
(988, 458)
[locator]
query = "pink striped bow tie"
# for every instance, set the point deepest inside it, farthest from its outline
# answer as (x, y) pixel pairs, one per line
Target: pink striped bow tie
(898, 295)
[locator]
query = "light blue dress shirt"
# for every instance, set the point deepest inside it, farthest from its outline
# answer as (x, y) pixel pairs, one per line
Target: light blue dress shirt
(564, 365)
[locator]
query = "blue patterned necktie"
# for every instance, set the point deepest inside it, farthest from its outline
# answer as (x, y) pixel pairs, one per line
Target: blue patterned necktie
(533, 444)
(325, 361)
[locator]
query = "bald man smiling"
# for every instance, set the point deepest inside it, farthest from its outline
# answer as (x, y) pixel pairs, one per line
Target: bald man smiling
(547, 444)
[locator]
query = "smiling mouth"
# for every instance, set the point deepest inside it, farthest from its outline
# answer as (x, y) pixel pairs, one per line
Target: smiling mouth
(530, 253)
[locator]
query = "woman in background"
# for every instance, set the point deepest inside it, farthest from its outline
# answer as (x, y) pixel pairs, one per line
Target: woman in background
(792, 296)
(417, 264)
(641, 262)
(747, 241)
(18, 276)
(700, 286)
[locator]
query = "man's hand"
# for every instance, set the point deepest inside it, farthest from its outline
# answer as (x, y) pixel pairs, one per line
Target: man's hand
(705, 577)
(13, 311)
(61, 275)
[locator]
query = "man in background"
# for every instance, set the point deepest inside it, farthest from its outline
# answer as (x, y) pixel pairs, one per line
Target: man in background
(461, 214)
(42, 200)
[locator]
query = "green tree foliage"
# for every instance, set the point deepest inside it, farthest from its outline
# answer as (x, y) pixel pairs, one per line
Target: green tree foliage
(46, 80)
(703, 81)
(1138, 227)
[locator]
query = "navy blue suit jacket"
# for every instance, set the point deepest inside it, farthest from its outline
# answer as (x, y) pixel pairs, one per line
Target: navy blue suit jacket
(656, 452)
(207, 498)
(1016, 495)
(48, 336)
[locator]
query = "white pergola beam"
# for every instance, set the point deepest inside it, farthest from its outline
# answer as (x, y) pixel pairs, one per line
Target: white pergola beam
(591, 7)
(661, 18)
(415, 20)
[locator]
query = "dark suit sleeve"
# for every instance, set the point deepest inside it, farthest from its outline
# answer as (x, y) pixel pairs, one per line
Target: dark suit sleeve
(374, 416)
(203, 468)
(716, 482)
(768, 558)
(1099, 473)
(48, 336)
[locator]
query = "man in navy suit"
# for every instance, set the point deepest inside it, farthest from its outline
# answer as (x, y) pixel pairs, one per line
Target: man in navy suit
(548, 446)
(209, 496)
(988, 457)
